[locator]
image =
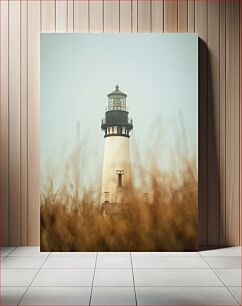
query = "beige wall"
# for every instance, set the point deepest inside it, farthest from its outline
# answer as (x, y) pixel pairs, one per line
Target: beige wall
(217, 23)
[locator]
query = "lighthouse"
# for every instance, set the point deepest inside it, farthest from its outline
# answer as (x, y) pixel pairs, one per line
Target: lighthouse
(116, 175)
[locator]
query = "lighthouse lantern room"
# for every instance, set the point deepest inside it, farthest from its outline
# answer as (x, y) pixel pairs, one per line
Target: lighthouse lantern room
(116, 176)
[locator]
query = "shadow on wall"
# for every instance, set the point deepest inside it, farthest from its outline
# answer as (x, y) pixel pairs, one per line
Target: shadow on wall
(209, 176)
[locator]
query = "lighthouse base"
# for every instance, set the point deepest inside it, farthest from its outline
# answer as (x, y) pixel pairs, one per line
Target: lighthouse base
(113, 208)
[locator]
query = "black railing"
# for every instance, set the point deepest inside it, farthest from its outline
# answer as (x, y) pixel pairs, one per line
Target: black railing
(130, 121)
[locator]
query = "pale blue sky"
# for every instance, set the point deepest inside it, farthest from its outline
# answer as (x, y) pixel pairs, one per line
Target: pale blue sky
(158, 72)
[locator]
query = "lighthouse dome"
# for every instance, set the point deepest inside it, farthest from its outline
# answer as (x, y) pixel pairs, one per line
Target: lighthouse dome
(116, 93)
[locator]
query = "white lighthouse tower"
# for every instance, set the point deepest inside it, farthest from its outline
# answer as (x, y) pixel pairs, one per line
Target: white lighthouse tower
(116, 176)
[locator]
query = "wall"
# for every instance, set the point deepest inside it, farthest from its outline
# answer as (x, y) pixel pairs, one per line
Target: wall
(217, 23)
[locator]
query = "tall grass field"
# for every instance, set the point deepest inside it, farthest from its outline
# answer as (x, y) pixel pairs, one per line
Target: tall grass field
(165, 219)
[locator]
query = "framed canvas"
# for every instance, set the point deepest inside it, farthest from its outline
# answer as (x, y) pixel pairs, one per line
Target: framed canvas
(119, 142)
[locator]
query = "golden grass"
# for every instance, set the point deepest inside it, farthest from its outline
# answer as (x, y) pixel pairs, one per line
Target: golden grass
(167, 221)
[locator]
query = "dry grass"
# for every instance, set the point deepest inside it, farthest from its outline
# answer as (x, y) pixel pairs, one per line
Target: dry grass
(167, 221)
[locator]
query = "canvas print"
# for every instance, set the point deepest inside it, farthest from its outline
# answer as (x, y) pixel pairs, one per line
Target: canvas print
(119, 142)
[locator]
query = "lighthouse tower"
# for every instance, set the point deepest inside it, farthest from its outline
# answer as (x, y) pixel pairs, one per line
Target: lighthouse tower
(116, 176)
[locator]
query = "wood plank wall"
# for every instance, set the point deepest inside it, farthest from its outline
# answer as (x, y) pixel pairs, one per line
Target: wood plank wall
(216, 22)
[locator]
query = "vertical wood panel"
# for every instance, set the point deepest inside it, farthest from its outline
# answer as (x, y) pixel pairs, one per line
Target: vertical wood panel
(96, 16)
(213, 123)
(61, 16)
(111, 16)
(70, 16)
(48, 16)
(23, 121)
(125, 16)
(182, 16)
(134, 19)
(170, 15)
(81, 14)
(4, 122)
(191, 16)
(157, 16)
(222, 120)
(33, 122)
(14, 122)
(201, 19)
(232, 122)
(144, 15)
(201, 29)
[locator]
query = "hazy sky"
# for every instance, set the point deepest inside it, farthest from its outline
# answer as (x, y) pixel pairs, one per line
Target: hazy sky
(158, 72)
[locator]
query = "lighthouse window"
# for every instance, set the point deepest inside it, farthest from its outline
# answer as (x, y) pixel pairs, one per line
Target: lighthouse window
(120, 174)
(123, 101)
(110, 104)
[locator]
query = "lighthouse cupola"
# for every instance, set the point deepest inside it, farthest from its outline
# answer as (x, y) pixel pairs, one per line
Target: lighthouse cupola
(117, 121)
(117, 100)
